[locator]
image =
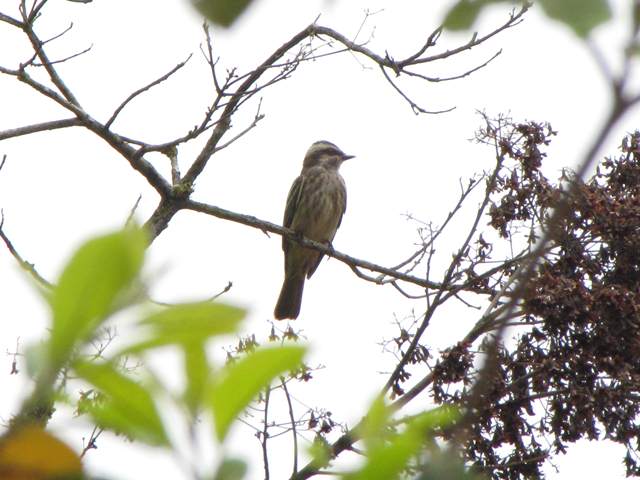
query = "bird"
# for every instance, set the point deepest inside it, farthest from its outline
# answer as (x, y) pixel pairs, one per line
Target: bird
(315, 205)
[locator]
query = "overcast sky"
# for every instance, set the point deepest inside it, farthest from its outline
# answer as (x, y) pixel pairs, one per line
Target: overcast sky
(59, 188)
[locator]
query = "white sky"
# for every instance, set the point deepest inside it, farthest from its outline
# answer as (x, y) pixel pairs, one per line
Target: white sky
(58, 188)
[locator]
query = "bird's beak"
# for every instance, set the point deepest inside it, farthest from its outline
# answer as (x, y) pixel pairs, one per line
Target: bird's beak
(347, 157)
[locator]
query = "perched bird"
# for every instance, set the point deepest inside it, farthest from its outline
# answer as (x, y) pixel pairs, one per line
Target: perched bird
(315, 205)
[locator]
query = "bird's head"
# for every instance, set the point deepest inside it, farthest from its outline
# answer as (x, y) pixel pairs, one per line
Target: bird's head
(324, 154)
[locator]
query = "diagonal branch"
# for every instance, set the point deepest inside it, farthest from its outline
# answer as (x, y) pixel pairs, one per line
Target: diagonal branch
(144, 89)
(40, 127)
(352, 262)
(10, 20)
(225, 118)
(514, 19)
(118, 143)
(26, 266)
(38, 48)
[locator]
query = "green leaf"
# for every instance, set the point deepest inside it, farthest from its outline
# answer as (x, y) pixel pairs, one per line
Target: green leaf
(375, 426)
(129, 407)
(388, 454)
(231, 469)
(463, 14)
(320, 452)
(581, 16)
(97, 274)
(446, 466)
(191, 322)
(197, 372)
(37, 357)
(239, 382)
(186, 324)
(222, 12)
(387, 463)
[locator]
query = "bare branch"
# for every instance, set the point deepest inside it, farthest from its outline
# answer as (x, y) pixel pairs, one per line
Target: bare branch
(248, 85)
(132, 212)
(144, 89)
(456, 77)
(265, 226)
(293, 426)
(514, 19)
(265, 434)
(118, 143)
(65, 59)
(252, 125)
(440, 296)
(28, 267)
(222, 292)
(11, 20)
(40, 127)
(352, 262)
(38, 48)
(414, 106)
(221, 128)
(212, 298)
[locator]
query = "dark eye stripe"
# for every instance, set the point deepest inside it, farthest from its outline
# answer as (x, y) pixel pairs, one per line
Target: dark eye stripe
(327, 151)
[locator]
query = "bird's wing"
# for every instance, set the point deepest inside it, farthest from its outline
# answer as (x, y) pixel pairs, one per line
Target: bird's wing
(314, 266)
(344, 209)
(293, 199)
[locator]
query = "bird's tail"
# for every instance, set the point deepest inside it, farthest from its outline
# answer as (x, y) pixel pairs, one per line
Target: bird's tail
(290, 298)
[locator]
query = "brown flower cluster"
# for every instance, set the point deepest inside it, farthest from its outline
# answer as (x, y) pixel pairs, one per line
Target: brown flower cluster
(570, 367)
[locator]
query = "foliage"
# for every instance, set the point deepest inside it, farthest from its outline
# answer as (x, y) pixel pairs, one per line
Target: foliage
(581, 16)
(93, 286)
(559, 262)
(222, 12)
(572, 371)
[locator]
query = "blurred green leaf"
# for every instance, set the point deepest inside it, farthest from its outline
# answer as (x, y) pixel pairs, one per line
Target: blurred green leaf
(194, 321)
(387, 463)
(439, 417)
(634, 49)
(239, 382)
(320, 451)
(445, 466)
(197, 372)
(375, 426)
(97, 274)
(231, 469)
(463, 14)
(222, 12)
(186, 324)
(388, 457)
(581, 16)
(128, 405)
(37, 357)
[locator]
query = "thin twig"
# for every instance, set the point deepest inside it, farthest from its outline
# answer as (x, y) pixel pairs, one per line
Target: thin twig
(64, 59)
(132, 211)
(293, 426)
(29, 267)
(265, 434)
(144, 89)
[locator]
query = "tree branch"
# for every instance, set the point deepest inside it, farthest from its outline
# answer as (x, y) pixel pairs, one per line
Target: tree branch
(28, 267)
(144, 89)
(40, 127)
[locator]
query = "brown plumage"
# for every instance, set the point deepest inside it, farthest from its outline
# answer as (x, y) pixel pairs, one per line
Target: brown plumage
(315, 205)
